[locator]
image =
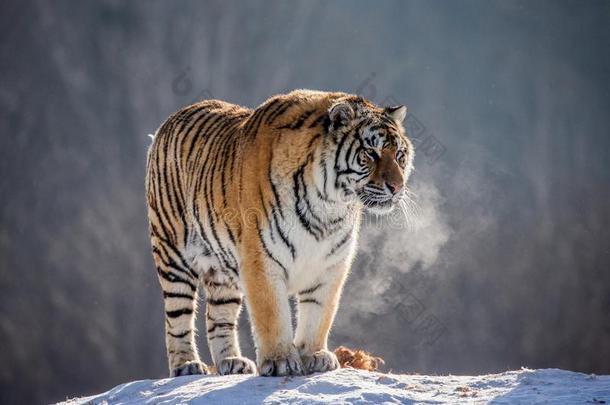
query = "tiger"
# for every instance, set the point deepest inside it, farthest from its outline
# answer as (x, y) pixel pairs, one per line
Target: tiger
(265, 205)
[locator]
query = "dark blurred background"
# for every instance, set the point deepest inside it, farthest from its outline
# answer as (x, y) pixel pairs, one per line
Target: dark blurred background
(506, 263)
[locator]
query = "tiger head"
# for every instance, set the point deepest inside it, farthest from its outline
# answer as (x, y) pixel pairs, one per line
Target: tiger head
(374, 157)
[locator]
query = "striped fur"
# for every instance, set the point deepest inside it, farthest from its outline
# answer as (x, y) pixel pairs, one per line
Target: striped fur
(266, 203)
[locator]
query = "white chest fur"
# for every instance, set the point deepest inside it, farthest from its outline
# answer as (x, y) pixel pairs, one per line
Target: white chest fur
(314, 255)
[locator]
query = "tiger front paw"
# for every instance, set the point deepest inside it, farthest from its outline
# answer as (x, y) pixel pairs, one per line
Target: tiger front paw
(236, 365)
(281, 365)
(320, 361)
(190, 368)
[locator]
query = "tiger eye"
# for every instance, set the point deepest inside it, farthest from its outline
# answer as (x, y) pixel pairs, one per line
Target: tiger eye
(402, 160)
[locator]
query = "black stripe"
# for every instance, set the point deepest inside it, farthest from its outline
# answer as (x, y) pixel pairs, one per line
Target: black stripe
(175, 266)
(170, 187)
(298, 123)
(256, 115)
(276, 195)
(229, 143)
(325, 175)
(196, 136)
(156, 234)
(218, 337)
(163, 216)
(342, 242)
(179, 312)
(279, 111)
(282, 234)
(322, 225)
(310, 301)
(339, 150)
(266, 249)
(310, 290)
(224, 301)
(179, 335)
(217, 284)
(226, 144)
(313, 139)
(183, 262)
(187, 119)
(322, 119)
(255, 120)
(221, 325)
(267, 216)
(172, 278)
(350, 155)
(298, 180)
(177, 295)
(180, 200)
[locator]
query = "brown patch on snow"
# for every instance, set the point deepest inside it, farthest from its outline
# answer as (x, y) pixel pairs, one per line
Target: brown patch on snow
(357, 359)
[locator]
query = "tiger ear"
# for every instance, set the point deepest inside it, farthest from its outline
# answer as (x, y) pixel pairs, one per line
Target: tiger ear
(397, 113)
(340, 114)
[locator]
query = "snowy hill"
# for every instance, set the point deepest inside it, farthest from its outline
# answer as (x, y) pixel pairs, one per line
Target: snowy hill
(356, 386)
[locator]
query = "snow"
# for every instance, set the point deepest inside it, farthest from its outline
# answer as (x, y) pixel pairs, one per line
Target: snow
(347, 386)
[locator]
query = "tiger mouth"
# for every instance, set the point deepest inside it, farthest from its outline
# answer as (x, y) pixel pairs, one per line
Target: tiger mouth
(380, 204)
(377, 202)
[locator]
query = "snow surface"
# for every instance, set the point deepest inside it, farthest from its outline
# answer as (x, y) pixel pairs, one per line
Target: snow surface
(347, 386)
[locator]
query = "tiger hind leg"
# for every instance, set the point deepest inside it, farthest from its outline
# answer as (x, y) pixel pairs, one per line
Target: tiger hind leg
(223, 305)
(179, 284)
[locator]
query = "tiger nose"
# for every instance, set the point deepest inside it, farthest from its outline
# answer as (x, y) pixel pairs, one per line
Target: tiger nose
(394, 187)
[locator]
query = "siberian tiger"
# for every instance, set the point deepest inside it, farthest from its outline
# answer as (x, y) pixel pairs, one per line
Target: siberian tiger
(266, 203)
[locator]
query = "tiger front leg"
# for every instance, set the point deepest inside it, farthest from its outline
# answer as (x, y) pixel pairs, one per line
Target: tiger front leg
(317, 306)
(264, 282)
